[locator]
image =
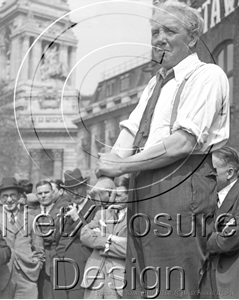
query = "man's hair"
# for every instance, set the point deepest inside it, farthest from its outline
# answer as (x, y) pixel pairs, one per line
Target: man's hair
(190, 17)
(26, 185)
(122, 181)
(58, 183)
(228, 156)
(43, 182)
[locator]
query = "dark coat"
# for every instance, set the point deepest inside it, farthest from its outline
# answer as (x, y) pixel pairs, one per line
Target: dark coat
(5, 251)
(71, 248)
(223, 264)
(27, 249)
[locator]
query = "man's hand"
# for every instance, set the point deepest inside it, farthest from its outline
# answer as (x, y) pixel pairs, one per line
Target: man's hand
(104, 190)
(109, 164)
(118, 239)
(73, 213)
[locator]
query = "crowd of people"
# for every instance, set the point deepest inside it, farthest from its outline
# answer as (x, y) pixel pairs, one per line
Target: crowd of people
(162, 219)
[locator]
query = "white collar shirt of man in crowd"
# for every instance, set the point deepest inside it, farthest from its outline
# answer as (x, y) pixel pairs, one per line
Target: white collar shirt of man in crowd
(223, 193)
(203, 109)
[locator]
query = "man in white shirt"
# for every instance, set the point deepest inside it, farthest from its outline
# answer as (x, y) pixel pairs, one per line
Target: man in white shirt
(166, 146)
(223, 244)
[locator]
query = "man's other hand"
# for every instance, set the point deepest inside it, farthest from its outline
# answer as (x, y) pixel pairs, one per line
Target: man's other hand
(104, 191)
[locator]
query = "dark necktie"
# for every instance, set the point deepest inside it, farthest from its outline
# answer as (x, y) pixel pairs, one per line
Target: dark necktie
(144, 127)
(12, 219)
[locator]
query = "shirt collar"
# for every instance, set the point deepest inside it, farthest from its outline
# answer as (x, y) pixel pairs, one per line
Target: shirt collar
(182, 69)
(48, 208)
(223, 193)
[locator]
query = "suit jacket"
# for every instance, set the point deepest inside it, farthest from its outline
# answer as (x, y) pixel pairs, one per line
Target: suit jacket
(224, 250)
(5, 251)
(51, 221)
(71, 248)
(26, 245)
(113, 260)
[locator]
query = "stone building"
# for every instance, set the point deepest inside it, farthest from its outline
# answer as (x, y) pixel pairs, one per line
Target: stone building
(38, 50)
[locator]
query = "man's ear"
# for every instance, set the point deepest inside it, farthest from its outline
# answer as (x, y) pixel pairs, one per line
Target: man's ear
(194, 39)
(230, 173)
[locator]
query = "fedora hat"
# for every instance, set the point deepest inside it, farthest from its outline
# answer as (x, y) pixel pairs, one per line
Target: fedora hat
(10, 183)
(73, 178)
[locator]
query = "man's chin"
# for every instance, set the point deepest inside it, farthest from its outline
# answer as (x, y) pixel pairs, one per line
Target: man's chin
(78, 200)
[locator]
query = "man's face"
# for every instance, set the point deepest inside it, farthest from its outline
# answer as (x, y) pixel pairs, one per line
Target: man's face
(222, 172)
(121, 196)
(77, 194)
(56, 192)
(9, 198)
(171, 37)
(44, 194)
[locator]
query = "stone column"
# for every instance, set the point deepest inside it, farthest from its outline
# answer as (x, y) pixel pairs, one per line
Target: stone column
(36, 155)
(14, 60)
(36, 56)
(72, 64)
(25, 67)
(58, 159)
(3, 59)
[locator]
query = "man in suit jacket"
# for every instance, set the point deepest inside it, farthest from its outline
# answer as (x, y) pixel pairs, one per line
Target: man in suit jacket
(71, 255)
(47, 218)
(223, 243)
(19, 278)
(106, 234)
(5, 251)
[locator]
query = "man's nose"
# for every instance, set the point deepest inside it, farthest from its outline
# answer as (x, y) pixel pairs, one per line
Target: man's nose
(161, 37)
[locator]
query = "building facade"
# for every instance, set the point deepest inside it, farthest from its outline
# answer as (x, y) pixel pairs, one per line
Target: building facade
(38, 50)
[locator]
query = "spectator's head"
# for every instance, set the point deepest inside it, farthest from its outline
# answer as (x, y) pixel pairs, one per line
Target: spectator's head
(32, 201)
(10, 193)
(44, 192)
(75, 185)
(26, 185)
(176, 28)
(122, 187)
(58, 191)
(226, 161)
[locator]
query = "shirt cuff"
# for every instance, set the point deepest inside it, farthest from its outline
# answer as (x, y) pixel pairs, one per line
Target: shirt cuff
(190, 126)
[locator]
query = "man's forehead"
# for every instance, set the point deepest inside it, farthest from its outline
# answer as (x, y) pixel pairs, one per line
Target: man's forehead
(45, 187)
(9, 191)
(167, 18)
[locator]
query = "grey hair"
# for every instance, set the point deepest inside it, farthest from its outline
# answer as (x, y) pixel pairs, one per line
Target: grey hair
(190, 17)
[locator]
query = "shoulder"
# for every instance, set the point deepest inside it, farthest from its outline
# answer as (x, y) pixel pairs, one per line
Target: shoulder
(210, 71)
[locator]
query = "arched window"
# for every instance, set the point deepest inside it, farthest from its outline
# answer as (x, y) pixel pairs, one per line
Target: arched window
(223, 55)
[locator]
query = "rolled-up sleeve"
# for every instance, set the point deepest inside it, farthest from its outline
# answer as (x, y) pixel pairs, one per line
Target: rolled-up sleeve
(204, 105)
(132, 123)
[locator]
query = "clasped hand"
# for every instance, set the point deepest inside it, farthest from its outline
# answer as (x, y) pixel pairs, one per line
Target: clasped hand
(109, 164)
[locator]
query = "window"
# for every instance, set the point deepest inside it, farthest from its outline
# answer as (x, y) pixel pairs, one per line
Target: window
(47, 162)
(224, 58)
(124, 82)
(109, 88)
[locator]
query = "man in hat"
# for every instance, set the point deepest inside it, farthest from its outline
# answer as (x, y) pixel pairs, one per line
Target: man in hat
(19, 279)
(71, 255)
(47, 213)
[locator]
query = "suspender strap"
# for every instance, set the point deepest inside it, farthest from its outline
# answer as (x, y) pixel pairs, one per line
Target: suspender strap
(176, 103)
(177, 99)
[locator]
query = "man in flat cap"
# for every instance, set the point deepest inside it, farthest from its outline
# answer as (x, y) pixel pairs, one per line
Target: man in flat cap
(71, 255)
(19, 279)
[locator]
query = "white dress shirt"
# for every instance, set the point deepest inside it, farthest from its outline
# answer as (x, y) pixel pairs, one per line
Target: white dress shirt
(223, 193)
(203, 109)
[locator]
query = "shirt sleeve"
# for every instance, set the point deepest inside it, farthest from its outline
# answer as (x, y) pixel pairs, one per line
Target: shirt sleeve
(204, 103)
(133, 122)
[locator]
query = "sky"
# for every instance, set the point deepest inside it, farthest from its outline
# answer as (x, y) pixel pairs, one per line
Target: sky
(109, 33)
